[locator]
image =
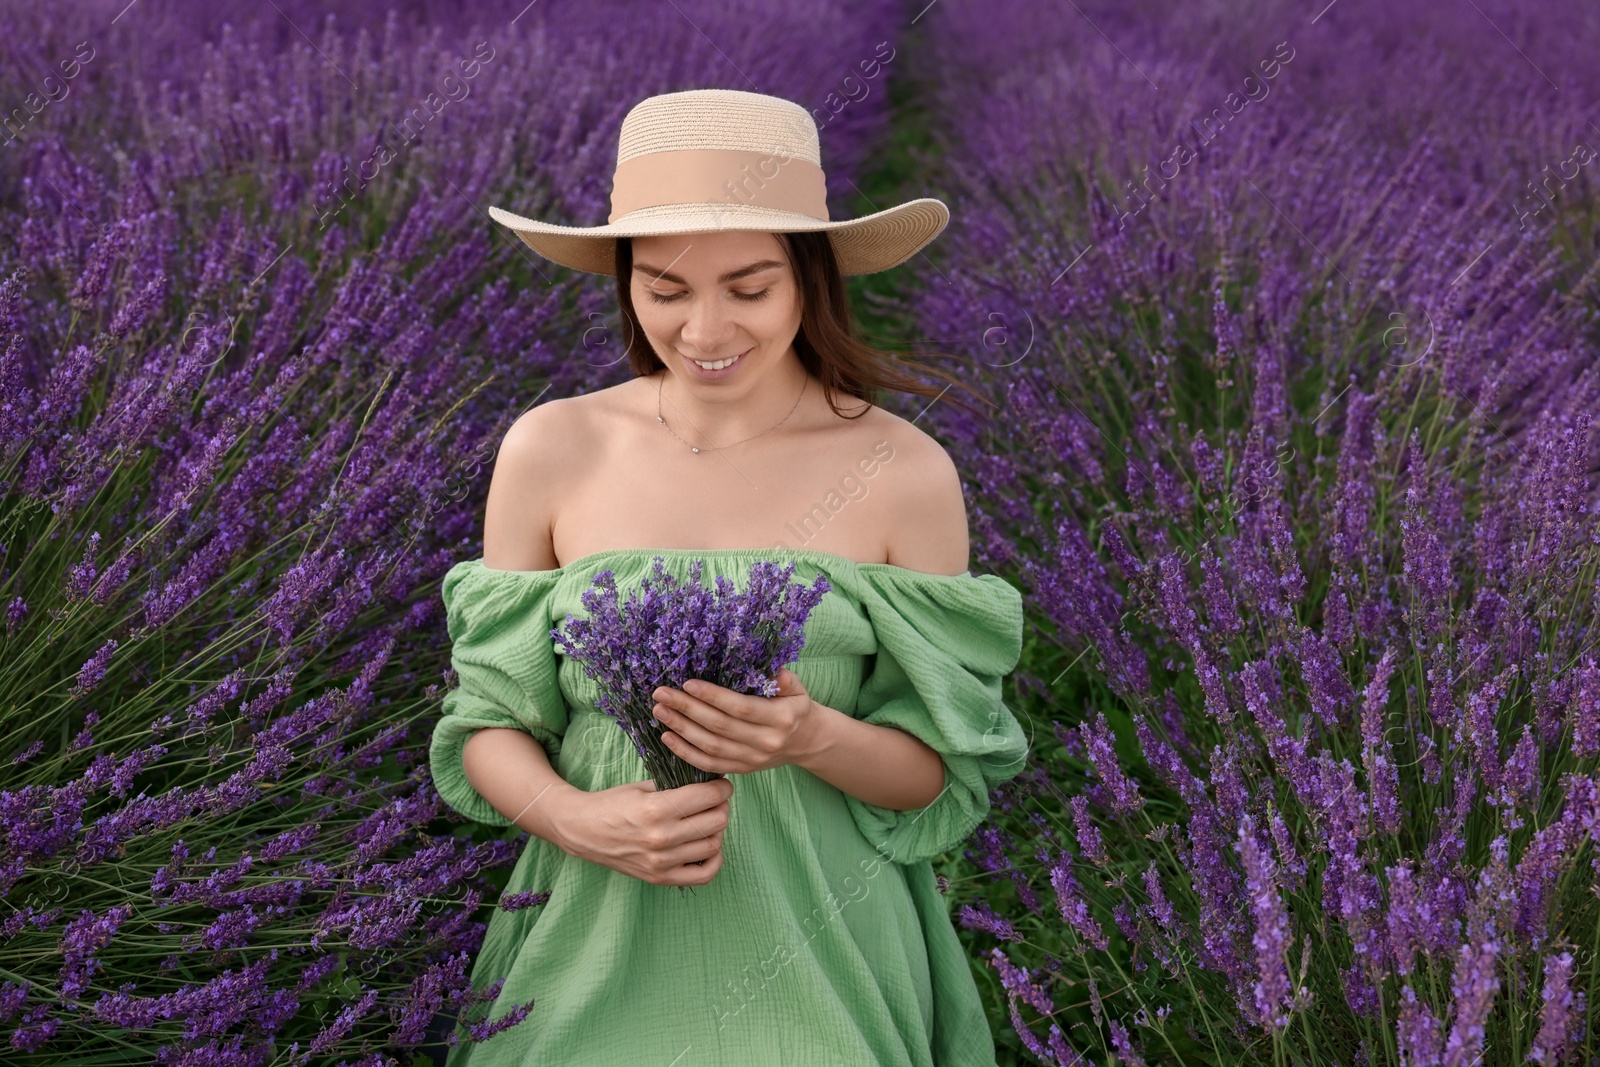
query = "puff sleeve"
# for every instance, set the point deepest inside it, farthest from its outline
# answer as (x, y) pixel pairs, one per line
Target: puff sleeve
(944, 645)
(504, 658)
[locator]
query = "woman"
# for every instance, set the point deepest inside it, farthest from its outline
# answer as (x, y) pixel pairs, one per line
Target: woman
(817, 933)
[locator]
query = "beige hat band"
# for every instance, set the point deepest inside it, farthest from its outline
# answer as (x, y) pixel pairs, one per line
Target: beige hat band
(776, 180)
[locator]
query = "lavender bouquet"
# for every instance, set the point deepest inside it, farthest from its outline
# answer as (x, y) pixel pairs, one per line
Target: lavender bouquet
(668, 632)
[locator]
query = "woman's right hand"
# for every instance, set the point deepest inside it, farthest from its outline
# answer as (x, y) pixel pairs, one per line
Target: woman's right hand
(657, 836)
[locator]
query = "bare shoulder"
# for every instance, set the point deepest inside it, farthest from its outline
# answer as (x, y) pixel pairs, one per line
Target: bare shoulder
(538, 451)
(926, 510)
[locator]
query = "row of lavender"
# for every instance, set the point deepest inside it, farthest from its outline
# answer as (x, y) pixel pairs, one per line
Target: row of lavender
(258, 340)
(1291, 315)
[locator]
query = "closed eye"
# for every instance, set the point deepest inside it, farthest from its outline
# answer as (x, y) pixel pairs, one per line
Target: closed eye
(657, 298)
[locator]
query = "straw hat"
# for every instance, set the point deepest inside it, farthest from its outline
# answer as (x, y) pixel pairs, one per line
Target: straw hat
(723, 159)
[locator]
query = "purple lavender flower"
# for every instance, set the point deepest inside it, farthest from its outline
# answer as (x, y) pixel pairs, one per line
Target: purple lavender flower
(1376, 751)
(1473, 986)
(1221, 928)
(1090, 843)
(978, 916)
(1561, 1018)
(1070, 900)
(1291, 867)
(31, 1038)
(1121, 792)
(483, 1031)
(1404, 918)
(525, 899)
(1326, 682)
(1520, 778)
(1075, 591)
(13, 995)
(1478, 727)
(94, 670)
(1584, 712)
(1228, 783)
(1288, 752)
(1427, 564)
(1020, 985)
(1222, 611)
(1359, 990)
(1124, 1047)
(1183, 622)
(1417, 1032)
(343, 1023)
(1160, 908)
(1272, 933)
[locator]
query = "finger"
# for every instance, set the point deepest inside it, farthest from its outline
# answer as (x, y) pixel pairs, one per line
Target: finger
(710, 822)
(664, 868)
(700, 796)
(694, 799)
(738, 761)
(678, 727)
(692, 875)
(692, 851)
(697, 826)
(732, 716)
(715, 732)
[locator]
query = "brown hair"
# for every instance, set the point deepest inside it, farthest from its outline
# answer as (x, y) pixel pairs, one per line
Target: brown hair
(827, 342)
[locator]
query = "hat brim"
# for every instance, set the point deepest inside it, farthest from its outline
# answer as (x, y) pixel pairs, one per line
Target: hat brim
(865, 245)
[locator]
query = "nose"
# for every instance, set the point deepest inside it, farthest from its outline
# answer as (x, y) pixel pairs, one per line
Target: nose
(707, 328)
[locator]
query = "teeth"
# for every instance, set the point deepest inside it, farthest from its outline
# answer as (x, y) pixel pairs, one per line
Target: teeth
(717, 365)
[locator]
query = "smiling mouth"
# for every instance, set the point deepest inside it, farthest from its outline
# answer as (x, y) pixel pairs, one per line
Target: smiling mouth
(719, 364)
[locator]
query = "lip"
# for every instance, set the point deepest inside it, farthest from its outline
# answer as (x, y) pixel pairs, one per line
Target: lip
(713, 375)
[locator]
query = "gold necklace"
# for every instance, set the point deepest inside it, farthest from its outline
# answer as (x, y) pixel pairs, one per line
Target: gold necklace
(752, 437)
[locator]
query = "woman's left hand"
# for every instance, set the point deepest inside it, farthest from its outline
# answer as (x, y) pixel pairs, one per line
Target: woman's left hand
(724, 732)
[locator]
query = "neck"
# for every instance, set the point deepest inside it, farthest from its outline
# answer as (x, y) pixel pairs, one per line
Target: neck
(716, 414)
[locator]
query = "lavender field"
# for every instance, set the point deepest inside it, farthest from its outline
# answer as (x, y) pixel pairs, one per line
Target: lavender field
(1288, 314)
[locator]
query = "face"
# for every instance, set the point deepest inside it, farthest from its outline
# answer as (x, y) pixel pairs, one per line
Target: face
(716, 296)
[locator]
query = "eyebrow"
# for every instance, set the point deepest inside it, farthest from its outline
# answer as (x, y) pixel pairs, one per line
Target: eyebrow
(732, 275)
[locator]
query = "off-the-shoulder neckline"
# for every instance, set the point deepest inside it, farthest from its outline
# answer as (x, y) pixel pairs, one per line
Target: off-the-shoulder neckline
(763, 553)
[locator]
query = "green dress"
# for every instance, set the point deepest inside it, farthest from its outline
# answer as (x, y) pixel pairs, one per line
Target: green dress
(824, 938)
